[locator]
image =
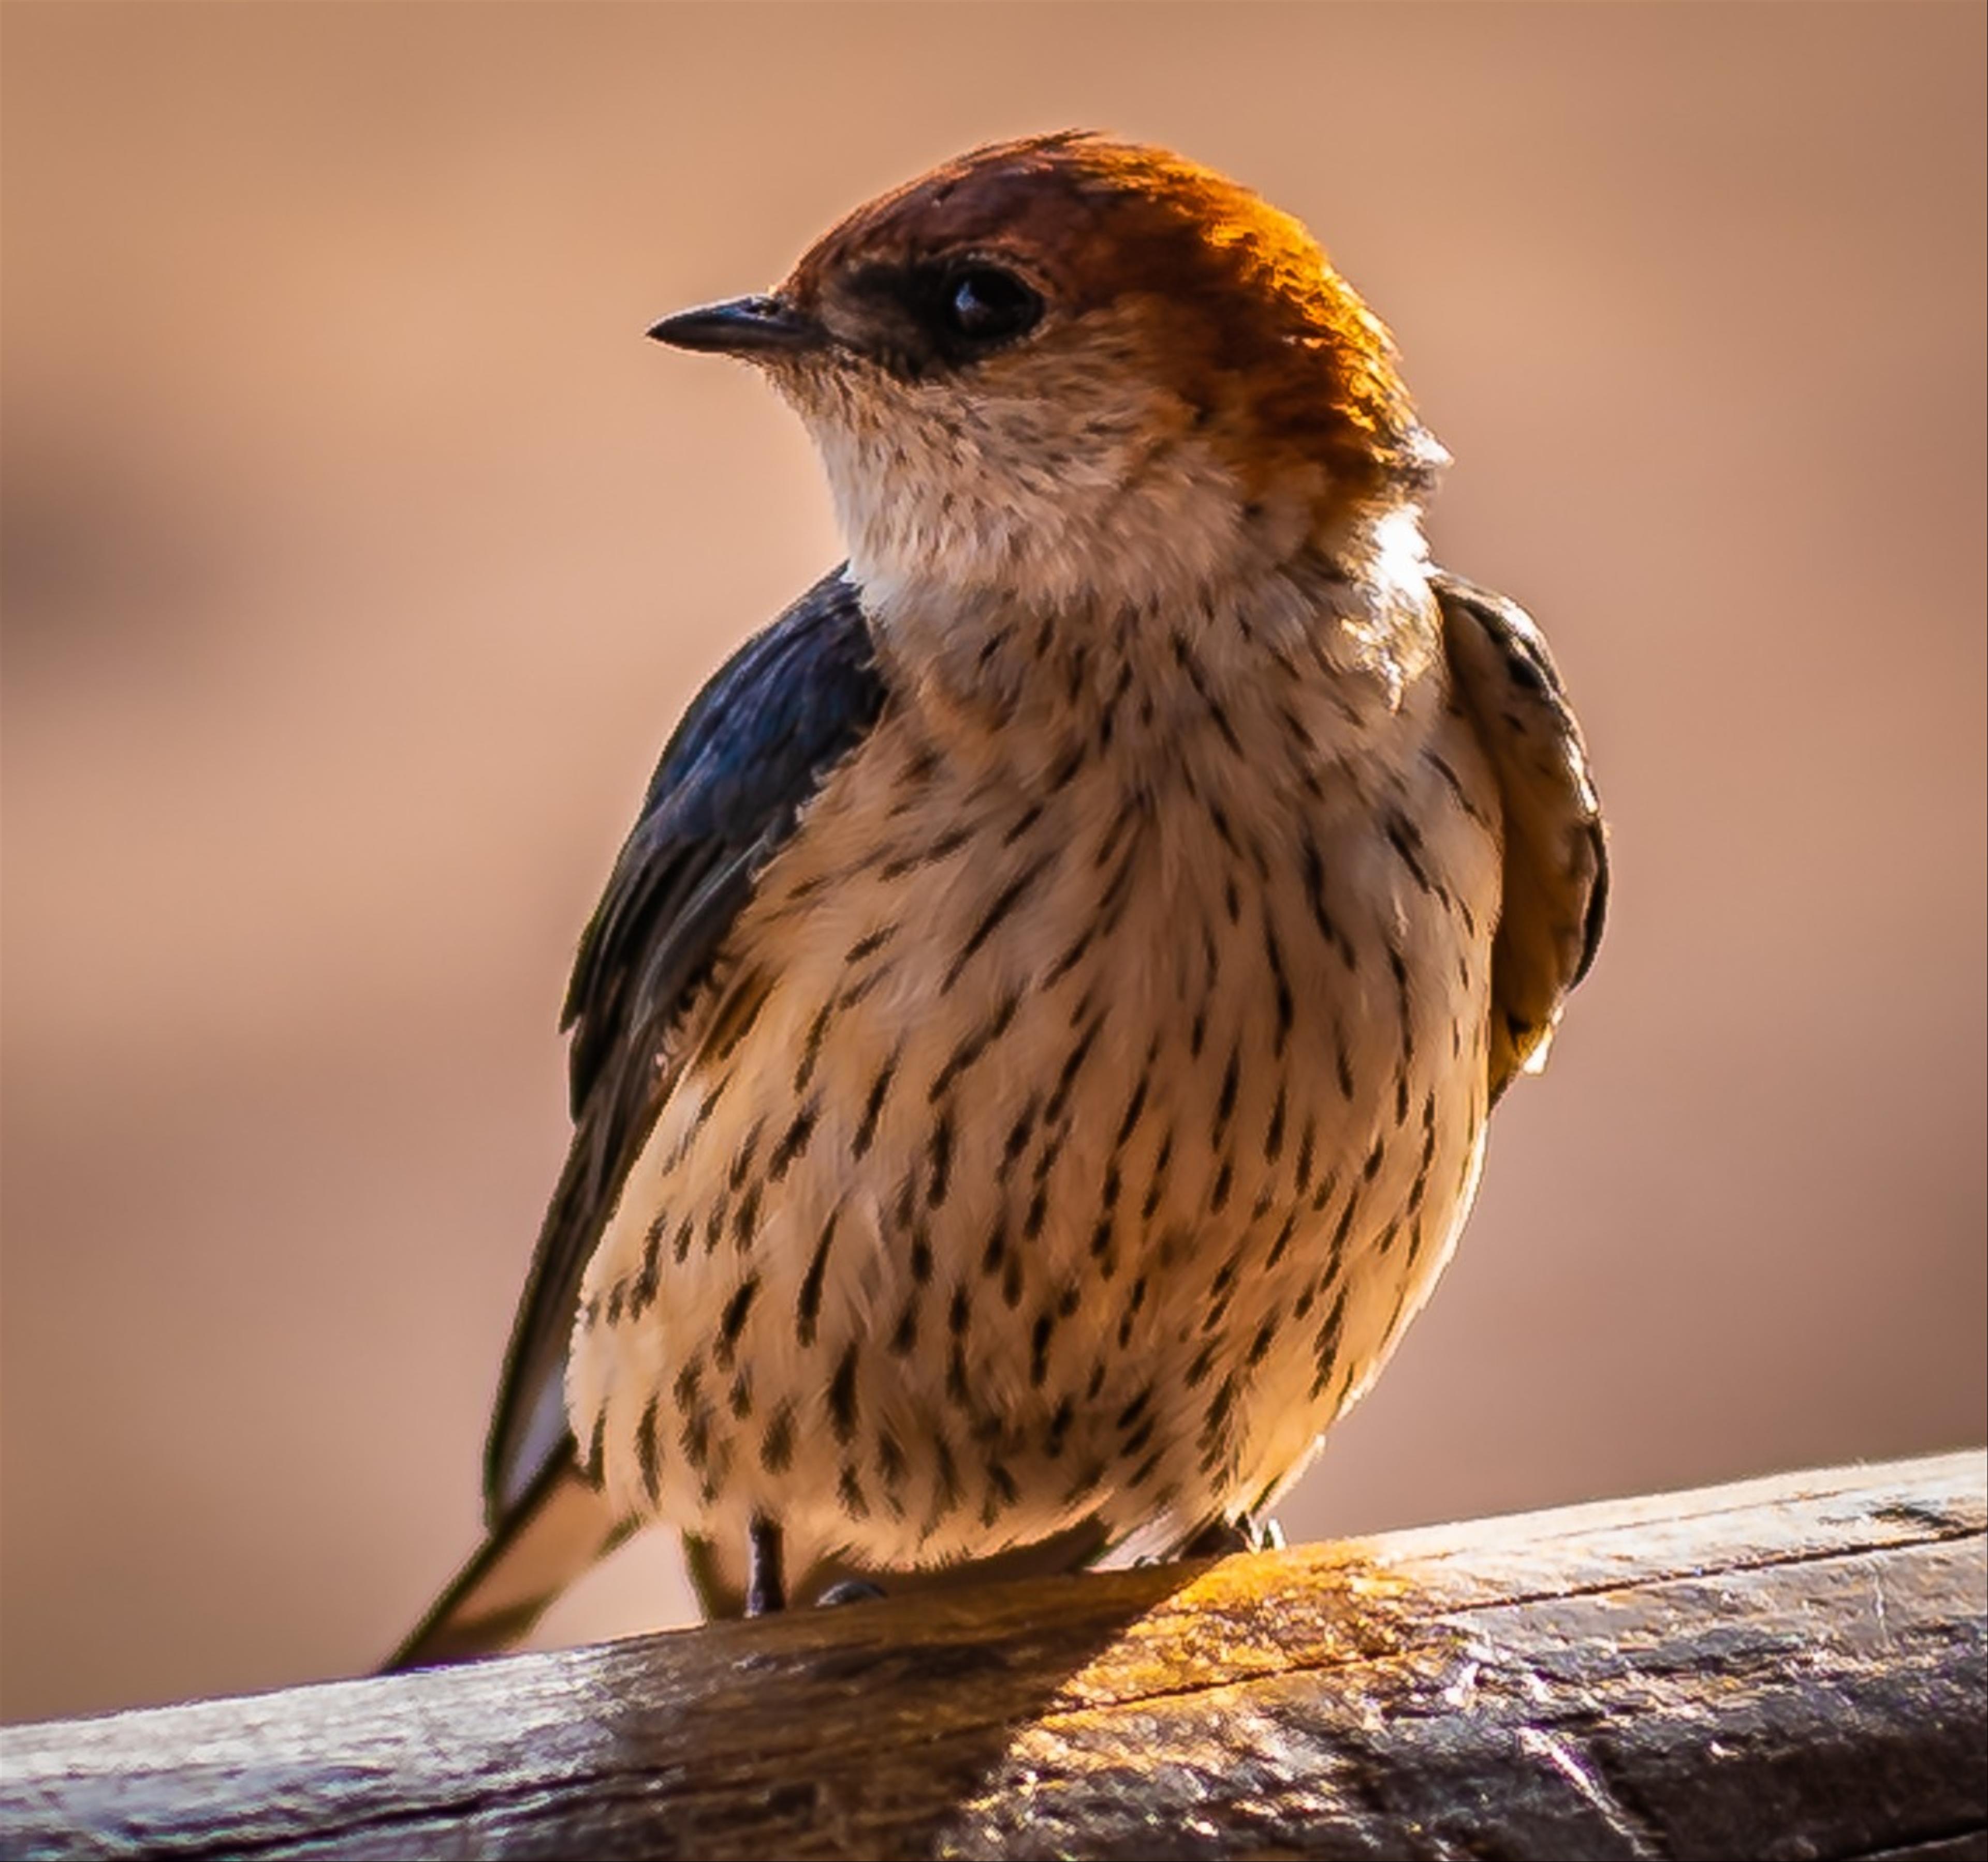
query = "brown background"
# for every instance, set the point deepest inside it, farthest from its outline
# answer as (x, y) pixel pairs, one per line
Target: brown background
(360, 554)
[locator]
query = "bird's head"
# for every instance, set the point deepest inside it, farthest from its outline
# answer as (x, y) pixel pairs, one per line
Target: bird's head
(1072, 370)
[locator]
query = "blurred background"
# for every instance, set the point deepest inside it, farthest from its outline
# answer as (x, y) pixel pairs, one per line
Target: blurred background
(360, 554)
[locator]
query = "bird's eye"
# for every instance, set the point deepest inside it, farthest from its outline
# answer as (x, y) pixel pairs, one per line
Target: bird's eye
(985, 305)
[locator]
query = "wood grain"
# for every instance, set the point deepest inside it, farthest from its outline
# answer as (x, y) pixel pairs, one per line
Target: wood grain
(1789, 1667)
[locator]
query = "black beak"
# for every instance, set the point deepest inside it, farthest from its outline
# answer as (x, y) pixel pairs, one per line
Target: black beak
(744, 327)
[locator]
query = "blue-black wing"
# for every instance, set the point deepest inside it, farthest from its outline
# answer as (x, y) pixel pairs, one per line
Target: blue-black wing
(791, 703)
(755, 745)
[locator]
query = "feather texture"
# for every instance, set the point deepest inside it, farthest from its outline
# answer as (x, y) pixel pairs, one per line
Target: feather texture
(731, 784)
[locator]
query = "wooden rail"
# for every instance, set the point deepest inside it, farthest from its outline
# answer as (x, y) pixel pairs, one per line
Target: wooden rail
(1787, 1668)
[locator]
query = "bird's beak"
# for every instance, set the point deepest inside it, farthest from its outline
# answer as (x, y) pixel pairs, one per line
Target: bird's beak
(743, 326)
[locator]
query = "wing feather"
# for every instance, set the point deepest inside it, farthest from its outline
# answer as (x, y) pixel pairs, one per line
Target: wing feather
(729, 787)
(1556, 850)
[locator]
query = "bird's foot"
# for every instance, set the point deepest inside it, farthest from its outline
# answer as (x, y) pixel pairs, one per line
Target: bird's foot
(1223, 1537)
(1270, 1534)
(765, 1582)
(850, 1590)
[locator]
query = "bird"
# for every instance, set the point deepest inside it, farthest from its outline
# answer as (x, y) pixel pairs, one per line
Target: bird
(1031, 1057)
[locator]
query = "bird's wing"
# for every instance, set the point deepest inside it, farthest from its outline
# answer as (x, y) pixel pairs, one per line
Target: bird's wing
(749, 754)
(1555, 878)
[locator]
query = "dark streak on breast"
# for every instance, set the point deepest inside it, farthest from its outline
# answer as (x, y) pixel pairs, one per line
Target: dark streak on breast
(842, 1396)
(872, 1107)
(732, 1322)
(811, 1297)
(1005, 901)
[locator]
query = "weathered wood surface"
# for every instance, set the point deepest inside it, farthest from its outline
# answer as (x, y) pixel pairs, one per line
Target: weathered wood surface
(1789, 1667)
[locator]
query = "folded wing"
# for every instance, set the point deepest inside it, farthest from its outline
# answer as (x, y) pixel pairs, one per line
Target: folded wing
(1556, 854)
(727, 792)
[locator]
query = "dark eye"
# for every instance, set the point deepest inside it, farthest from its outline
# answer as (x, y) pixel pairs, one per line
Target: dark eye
(985, 305)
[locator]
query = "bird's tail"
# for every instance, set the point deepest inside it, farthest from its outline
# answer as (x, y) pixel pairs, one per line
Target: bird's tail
(561, 1526)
